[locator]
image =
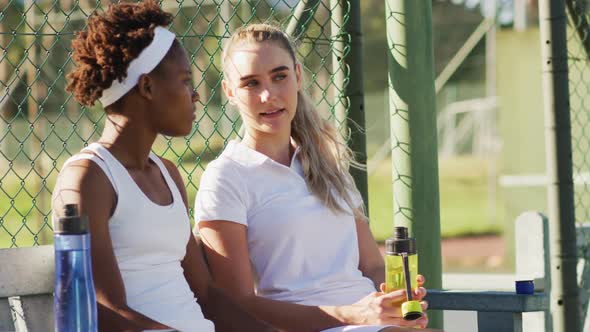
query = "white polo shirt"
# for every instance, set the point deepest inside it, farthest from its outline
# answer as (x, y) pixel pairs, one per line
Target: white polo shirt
(300, 251)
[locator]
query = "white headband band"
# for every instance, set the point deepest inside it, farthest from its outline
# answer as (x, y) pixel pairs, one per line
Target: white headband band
(147, 60)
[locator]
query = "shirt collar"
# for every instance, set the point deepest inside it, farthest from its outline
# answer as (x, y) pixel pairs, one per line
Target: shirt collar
(242, 154)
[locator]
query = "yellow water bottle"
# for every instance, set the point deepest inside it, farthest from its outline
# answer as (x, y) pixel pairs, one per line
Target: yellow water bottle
(401, 269)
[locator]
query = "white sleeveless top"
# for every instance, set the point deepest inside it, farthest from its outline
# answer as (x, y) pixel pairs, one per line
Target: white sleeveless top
(149, 243)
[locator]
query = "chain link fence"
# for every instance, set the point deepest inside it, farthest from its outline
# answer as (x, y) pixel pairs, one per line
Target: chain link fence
(579, 80)
(41, 125)
(578, 44)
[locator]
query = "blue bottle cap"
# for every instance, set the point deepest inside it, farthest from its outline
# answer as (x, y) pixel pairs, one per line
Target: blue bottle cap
(525, 287)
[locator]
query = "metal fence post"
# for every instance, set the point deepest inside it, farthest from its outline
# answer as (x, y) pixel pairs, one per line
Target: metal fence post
(347, 64)
(339, 66)
(354, 92)
(413, 132)
(562, 233)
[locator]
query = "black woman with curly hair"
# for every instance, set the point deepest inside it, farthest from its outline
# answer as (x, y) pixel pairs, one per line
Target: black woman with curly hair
(149, 272)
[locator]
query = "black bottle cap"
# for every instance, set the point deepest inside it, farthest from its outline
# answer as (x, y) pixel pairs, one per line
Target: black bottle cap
(71, 222)
(400, 242)
(400, 233)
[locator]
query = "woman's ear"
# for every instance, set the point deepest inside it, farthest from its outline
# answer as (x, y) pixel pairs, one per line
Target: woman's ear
(145, 87)
(229, 91)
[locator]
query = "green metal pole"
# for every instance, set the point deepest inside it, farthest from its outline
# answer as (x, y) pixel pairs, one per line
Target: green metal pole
(347, 73)
(339, 67)
(564, 295)
(354, 91)
(413, 132)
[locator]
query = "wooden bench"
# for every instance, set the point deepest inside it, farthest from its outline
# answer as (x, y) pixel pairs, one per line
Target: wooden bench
(26, 289)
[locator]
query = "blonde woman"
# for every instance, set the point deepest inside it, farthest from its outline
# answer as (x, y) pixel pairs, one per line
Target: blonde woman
(283, 224)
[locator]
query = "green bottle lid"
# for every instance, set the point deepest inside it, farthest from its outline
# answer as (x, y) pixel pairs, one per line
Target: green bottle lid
(411, 310)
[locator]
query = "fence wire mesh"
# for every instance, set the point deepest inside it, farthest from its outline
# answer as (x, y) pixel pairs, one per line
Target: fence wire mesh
(578, 45)
(579, 80)
(41, 125)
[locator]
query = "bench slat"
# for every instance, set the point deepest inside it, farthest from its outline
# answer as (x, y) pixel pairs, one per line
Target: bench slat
(486, 301)
(27, 271)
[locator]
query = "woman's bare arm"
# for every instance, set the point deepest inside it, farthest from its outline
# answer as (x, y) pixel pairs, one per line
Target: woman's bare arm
(227, 253)
(371, 261)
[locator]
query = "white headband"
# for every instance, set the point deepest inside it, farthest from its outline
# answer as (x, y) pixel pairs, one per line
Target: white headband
(147, 60)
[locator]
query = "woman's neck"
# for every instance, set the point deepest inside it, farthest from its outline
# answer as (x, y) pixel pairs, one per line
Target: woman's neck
(276, 148)
(128, 140)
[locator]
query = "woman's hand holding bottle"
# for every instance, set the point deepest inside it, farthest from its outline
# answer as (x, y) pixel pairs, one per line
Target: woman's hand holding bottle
(381, 308)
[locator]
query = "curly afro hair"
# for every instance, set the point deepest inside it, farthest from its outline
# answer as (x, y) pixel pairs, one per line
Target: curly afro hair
(102, 52)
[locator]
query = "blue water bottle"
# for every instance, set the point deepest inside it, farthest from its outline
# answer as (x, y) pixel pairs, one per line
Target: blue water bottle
(74, 300)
